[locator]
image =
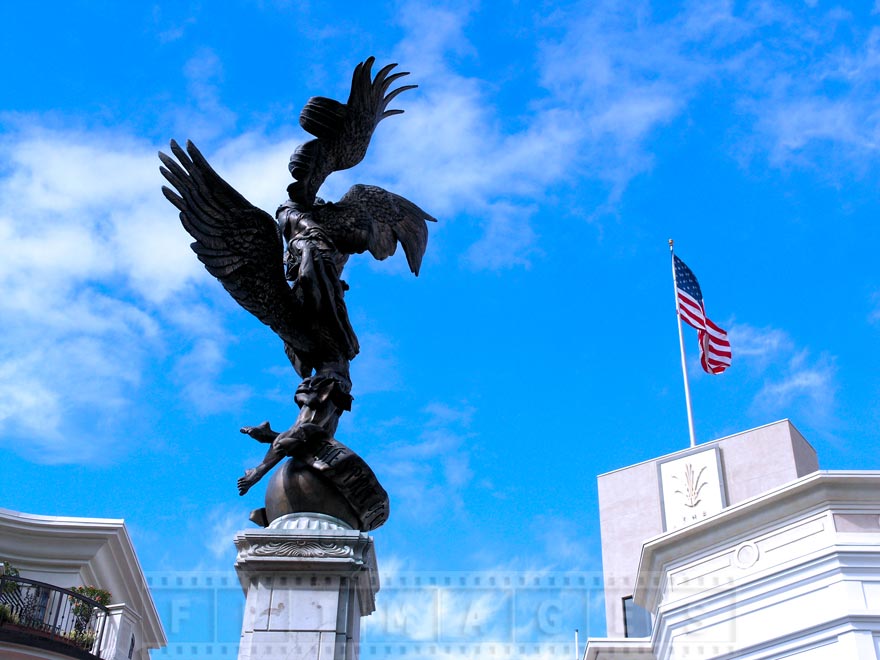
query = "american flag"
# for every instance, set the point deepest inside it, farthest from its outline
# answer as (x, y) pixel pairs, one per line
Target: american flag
(714, 345)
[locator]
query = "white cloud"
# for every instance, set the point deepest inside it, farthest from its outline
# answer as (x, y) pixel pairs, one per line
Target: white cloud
(99, 279)
(443, 414)
(623, 73)
(811, 97)
(205, 116)
(758, 347)
(95, 263)
(438, 613)
(26, 400)
(94, 266)
(255, 164)
(198, 372)
(630, 118)
(801, 121)
(376, 368)
(169, 28)
(874, 314)
(791, 381)
(222, 523)
(806, 381)
(427, 474)
(508, 241)
(75, 206)
(62, 399)
(456, 614)
(794, 382)
(450, 152)
(565, 542)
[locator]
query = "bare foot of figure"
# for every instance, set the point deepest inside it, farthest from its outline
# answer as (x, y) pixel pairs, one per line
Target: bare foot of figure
(249, 479)
(262, 433)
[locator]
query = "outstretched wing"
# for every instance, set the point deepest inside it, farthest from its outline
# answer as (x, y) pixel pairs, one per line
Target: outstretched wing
(238, 243)
(371, 218)
(343, 131)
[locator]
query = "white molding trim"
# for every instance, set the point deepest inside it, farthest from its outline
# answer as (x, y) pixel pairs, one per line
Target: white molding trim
(99, 549)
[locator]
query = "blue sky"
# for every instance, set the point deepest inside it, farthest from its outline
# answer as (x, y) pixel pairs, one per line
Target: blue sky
(559, 145)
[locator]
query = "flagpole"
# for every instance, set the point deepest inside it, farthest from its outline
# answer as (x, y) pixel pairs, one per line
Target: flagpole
(687, 389)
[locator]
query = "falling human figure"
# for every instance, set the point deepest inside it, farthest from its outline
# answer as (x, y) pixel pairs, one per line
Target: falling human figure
(308, 244)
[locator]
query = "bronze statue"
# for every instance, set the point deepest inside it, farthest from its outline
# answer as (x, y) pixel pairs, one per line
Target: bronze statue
(307, 244)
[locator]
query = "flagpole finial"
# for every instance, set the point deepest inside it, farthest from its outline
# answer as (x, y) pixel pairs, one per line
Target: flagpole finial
(670, 242)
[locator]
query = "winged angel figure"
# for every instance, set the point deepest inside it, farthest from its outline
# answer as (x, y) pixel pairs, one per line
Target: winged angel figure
(287, 271)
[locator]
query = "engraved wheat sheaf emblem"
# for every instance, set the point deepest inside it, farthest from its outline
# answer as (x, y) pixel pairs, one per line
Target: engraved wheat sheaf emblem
(692, 485)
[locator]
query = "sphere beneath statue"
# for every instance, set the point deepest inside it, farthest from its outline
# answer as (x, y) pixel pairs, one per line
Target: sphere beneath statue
(328, 478)
(296, 487)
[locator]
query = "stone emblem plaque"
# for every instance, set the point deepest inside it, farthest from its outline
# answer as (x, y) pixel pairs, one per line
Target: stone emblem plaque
(691, 488)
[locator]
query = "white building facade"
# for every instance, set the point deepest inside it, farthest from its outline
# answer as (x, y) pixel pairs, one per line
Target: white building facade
(792, 571)
(40, 617)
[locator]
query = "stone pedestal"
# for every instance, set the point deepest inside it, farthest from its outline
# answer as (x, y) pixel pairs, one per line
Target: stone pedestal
(309, 578)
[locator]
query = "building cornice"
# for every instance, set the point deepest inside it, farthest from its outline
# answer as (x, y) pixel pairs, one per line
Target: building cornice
(100, 548)
(849, 491)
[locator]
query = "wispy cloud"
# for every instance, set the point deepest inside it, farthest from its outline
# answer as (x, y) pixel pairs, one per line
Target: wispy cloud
(77, 212)
(620, 76)
(805, 382)
(376, 368)
(75, 206)
(169, 29)
(440, 613)
(222, 522)
(566, 544)
(427, 474)
(809, 96)
(97, 277)
(609, 78)
(451, 152)
(205, 116)
(874, 314)
(198, 372)
(622, 73)
(508, 241)
(793, 381)
(759, 347)
(478, 612)
(95, 263)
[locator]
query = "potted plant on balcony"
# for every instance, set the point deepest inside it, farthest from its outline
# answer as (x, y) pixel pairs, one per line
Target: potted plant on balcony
(82, 635)
(7, 593)
(7, 615)
(6, 568)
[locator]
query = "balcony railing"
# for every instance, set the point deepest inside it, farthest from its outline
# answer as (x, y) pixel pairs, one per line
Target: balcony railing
(52, 615)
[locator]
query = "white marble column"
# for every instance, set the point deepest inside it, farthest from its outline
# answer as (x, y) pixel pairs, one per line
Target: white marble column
(309, 578)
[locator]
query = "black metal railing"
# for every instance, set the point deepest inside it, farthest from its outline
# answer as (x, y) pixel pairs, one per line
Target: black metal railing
(52, 613)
